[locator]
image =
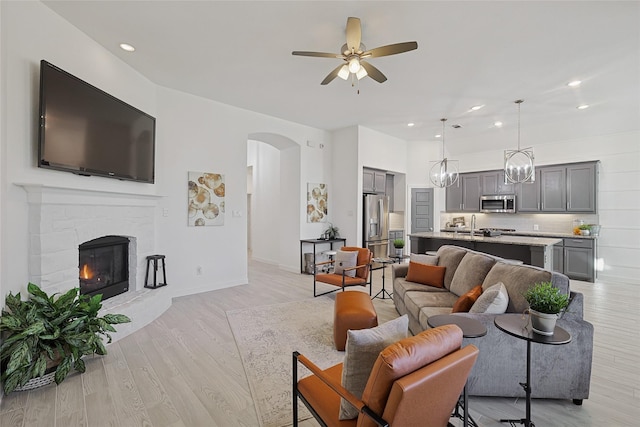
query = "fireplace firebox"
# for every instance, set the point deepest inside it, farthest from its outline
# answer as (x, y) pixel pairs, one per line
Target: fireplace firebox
(104, 266)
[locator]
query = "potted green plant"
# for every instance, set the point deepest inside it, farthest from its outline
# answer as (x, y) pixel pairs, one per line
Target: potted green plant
(399, 245)
(45, 336)
(545, 303)
(585, 229)
(331, 232)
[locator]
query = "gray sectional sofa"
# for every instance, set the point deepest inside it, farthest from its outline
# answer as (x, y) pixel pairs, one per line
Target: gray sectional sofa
(557, 372)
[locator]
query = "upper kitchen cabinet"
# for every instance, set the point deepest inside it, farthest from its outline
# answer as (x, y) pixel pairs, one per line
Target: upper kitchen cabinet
(582, 187)
(528, 195)
(553, 189)
(471, 192)
(464, 196)
(373, 181)
(493, 183)
(389, 192)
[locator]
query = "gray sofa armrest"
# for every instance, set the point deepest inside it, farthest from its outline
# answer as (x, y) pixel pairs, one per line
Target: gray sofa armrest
(575, 309)
(399, 270)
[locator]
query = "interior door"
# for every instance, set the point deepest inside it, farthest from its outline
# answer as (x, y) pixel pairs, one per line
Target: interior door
(421, 210)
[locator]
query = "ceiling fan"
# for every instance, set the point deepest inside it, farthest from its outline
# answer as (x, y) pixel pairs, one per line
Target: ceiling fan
(354, 53)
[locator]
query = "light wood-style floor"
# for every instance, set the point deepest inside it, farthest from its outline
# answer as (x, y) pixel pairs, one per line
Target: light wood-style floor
(183, 370)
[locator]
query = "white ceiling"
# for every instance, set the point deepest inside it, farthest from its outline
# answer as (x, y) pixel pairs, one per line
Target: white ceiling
(469, 53)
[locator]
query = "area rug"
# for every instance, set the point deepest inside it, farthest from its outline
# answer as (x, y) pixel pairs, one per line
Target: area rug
(266, 337)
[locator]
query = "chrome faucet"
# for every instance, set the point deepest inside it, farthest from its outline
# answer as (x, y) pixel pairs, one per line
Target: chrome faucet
(473, 224)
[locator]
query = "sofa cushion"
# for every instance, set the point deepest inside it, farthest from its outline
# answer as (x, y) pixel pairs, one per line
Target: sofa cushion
(464, 303)
(402, 286)
(424, 259)
(362, 350)
(470, 272)
(415, 300)
(450, 257)
(346, 259)
(517, 279)
(494, 300)
(431, 275)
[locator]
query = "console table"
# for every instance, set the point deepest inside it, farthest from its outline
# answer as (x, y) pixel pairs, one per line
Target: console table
(315, 242)
(519, 326)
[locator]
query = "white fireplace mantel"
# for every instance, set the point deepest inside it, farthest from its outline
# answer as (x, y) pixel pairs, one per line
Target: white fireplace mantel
(49, 194)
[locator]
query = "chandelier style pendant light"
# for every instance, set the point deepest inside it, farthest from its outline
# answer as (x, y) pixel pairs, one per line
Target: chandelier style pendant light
(444, 173)
(518, 164)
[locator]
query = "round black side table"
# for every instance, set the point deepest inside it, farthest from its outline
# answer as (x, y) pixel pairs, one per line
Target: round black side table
(471, 328)
(519, 326)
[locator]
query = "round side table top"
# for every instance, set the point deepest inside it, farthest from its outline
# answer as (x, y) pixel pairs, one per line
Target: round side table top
(519, 326)
(471, 328)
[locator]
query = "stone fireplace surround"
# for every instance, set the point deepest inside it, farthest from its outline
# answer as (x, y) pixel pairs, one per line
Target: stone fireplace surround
(61, 218)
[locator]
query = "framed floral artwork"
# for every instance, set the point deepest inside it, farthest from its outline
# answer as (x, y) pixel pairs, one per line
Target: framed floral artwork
(205, 201)
(317, 202)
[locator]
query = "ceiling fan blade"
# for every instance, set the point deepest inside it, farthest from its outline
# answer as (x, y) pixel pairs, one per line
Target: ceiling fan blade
(318, 54)
(354, 34)
(332, 75)
(391, 49)
(373, 72)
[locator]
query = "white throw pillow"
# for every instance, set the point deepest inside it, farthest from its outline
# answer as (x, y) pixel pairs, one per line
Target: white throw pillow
(346, 259)
(424, 259)
(362, 350)
(494, 300)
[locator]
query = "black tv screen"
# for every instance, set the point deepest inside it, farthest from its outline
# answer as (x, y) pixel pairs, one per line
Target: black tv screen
(86, 131)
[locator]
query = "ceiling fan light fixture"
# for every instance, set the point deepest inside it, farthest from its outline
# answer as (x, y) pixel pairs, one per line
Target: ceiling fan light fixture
(361, 73)
(344, 72)
(354, 64)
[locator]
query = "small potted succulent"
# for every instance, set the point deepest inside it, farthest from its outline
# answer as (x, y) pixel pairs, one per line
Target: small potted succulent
(585, 229)
(545, 303)
(399, 245)
(331, 232)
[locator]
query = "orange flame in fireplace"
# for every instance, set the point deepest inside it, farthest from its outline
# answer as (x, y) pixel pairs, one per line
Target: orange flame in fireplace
(86, 273)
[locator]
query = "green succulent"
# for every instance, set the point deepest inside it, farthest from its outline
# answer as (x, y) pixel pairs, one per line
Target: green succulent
(546, 298)
(43, 329)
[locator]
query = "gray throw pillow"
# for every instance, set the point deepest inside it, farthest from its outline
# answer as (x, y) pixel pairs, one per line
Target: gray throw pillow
(362, 350)
(346, 259)
(494, 300)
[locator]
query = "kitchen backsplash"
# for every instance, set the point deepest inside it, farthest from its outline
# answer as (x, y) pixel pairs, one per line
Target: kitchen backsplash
(552, 223)
(396, 220)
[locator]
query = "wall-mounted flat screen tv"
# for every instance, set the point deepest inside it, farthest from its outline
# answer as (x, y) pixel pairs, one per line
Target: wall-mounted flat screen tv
(86, 131)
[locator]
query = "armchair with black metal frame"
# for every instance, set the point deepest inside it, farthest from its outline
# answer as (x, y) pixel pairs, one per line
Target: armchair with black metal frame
(342, 279)
(432, 363)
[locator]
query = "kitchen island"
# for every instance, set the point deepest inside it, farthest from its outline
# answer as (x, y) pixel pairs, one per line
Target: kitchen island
(536, 251)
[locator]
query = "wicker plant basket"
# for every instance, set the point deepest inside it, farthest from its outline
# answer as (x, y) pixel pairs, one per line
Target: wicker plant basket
(42, 381)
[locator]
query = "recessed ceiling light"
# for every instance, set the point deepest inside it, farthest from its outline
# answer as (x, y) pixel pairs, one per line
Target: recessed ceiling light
(574, 83)
(437, 135)
(411, 124)
(497, 124)
(127, 47)
(476, 107)
(583, 106)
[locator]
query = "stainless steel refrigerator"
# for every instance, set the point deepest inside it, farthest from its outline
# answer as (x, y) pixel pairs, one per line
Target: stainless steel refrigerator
(375, 224)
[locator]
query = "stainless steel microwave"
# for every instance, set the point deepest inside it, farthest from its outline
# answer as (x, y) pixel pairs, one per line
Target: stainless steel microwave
(501, 203)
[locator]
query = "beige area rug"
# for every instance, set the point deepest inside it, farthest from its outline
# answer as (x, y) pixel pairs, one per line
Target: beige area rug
(266, 336)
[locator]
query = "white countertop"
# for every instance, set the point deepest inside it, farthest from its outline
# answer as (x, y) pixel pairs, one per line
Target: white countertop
(550, 234)
(503, 239)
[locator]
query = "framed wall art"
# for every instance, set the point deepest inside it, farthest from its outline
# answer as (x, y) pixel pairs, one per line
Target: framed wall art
(205, 202)
(317, 202)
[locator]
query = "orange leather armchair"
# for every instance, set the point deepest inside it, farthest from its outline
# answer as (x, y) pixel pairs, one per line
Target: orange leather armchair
(362, 277)
(414, 382)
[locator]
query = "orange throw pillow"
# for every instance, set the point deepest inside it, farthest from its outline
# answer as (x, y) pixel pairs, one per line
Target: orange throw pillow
(464, 303)
(431, 275)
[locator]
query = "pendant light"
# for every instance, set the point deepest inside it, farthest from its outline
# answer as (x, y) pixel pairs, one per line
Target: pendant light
(518, 164)
(444, 173)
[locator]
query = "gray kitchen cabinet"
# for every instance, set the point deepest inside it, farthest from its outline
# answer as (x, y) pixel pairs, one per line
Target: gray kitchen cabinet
(528, 195)
(471, 192)
(373, 181)
(581, 187)
(454, 197)
(389, 191)
(492, 182)
(553, 189)
(393, 235)
(579, 256)
(558, 257)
